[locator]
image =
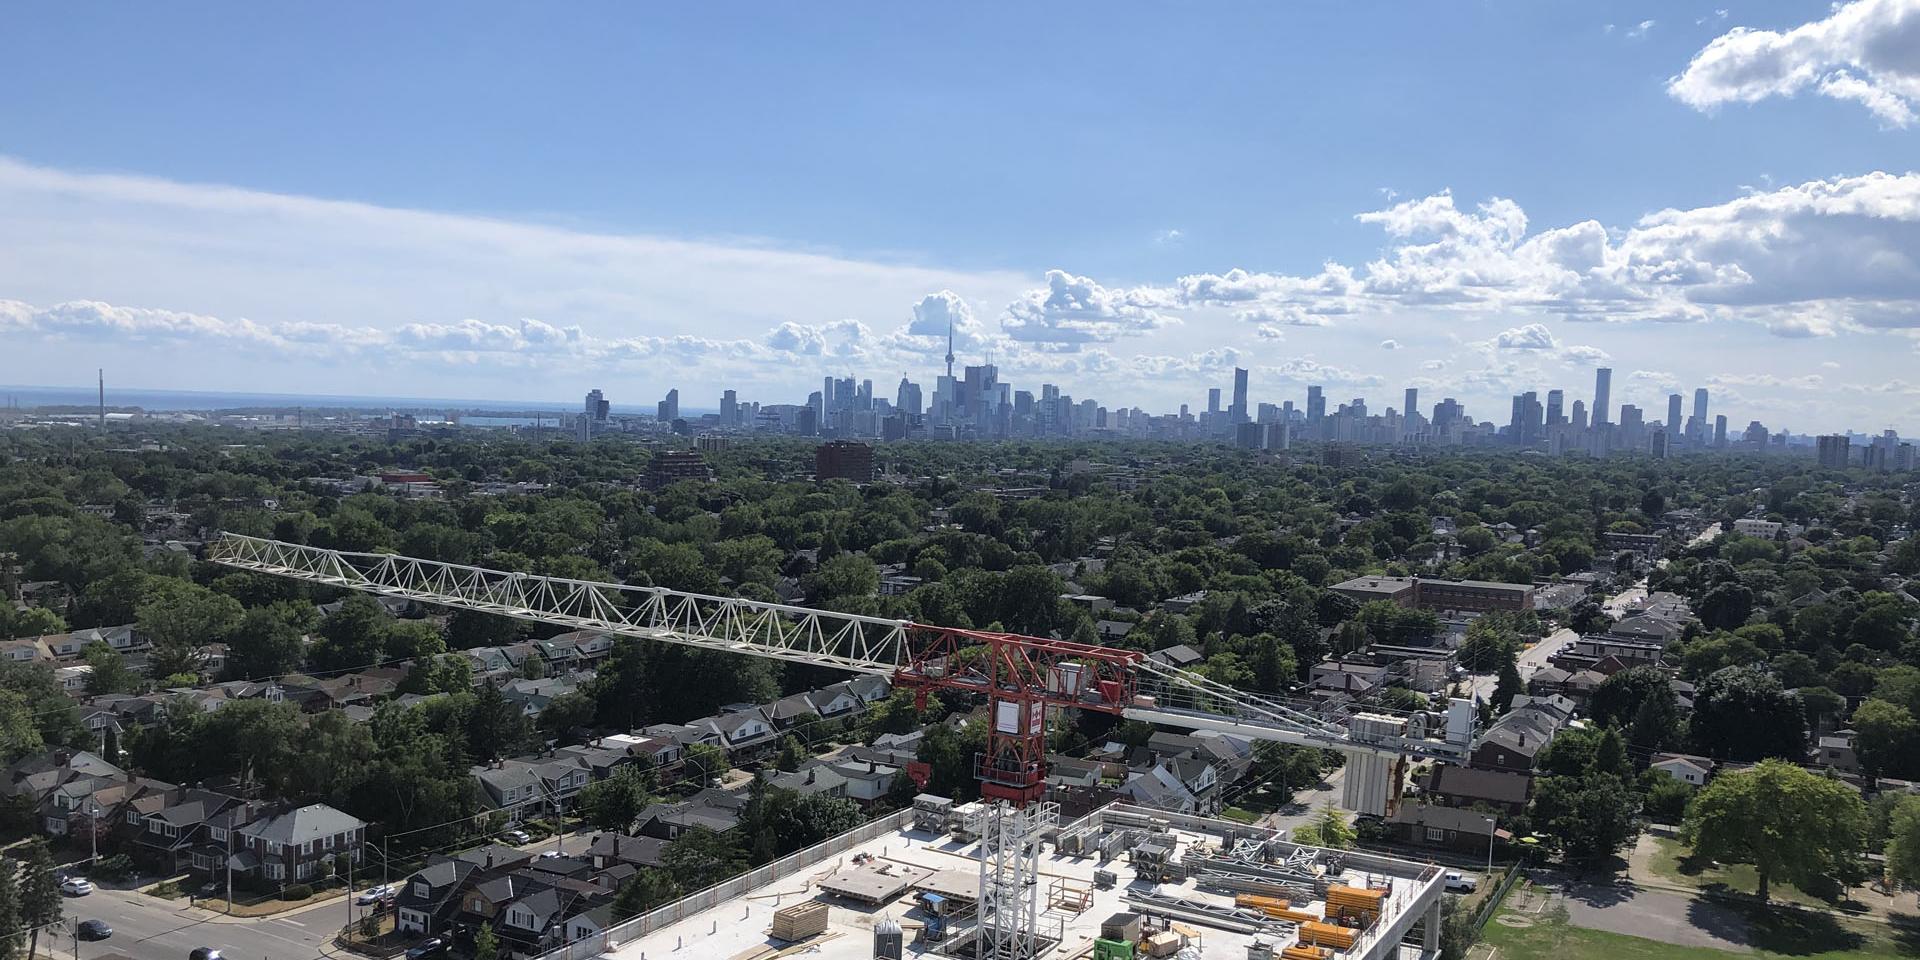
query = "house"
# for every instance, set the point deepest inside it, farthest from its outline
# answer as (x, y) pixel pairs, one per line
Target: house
(866, 780)
(165, 837)
(1447, 785)
(870, 689)
(1112, 631)
(838, 700)
(1648, 628)
(28, 650)
(296, 844)
(1065, 771)
(427, 900)
(1199, 778)
(516, 785)
(607, 850)
(533, 696)
(73, 678)
(1514, 740)
(1179, 655)
(812, 779)
(710, 809)
(1159, 788)
(1451, 828)
(743, 733)
(1683, 767)
(589, 923)
(1837, 751)
(791, 711)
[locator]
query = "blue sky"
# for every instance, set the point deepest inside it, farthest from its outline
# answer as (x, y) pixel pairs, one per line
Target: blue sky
(525, 201)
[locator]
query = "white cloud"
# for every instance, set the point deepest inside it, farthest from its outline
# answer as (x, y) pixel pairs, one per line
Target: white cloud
(1389, 344)
(1075, 309)
(1866, 51)
(1640, 29)
(1533, 336)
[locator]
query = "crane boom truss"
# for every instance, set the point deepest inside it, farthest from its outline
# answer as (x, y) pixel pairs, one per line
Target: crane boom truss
(1022, 676)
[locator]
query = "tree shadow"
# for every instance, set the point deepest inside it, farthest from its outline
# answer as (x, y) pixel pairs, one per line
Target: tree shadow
(1799, 932)
(1906, 932)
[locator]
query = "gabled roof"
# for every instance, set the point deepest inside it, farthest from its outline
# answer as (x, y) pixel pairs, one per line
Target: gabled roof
(1178, 655)
(302, 824)
(1469, 783)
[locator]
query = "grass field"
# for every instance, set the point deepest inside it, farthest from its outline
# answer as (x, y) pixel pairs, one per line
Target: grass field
(1674, 865)
(1776, 933)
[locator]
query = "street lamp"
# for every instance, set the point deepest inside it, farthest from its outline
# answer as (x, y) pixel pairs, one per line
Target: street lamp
(1491, 821)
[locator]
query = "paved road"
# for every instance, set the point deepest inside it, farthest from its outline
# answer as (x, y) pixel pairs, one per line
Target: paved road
(1530, 661)
(149, 928)
(1654, 915)
(1307, 800)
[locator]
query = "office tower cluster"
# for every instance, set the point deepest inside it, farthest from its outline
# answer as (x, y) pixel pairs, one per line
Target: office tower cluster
(974, 403)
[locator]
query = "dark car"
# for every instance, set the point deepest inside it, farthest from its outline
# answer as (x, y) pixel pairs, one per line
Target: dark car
(95, 930)
(430, 947)
(204, 953)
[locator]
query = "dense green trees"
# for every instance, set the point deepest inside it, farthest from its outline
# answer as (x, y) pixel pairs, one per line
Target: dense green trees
(1790, 824)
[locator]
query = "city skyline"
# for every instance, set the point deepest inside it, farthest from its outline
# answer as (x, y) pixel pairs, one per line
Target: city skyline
(1645, 237)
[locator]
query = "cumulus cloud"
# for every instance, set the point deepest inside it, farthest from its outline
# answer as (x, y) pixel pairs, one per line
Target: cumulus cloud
(1389, 344)
(1537, 340)
(1075, 309)
(1805, 259)
(1533, 336)
(1867, 51)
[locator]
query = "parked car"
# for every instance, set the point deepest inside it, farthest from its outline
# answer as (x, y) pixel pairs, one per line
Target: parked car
(1458, 882)
(549, 854)
(430, 947)
(204, 953)
(374, 894)
(76, 886)
(94, 930)
(517, 836)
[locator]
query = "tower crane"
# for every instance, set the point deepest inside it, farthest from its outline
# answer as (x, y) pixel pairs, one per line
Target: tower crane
(1021, 678)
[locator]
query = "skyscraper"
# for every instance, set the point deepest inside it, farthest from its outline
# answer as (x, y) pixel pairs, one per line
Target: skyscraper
(1213, 401)
(1700, 406)
(729, 409)
(1834, 451)
(1579, 415)
(1316, 404)
(1720, 430)
(1556, 407)
(669, 409)
(597, 407)
(1238, 412)
(908, 397)
(1410, 412)
(1602, 390)
(1673, 414)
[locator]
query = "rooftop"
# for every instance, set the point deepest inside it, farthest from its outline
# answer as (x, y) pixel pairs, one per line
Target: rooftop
(895, 861)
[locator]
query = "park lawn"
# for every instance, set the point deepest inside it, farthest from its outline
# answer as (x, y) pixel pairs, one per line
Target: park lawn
(1674, 864)
(1777, 933)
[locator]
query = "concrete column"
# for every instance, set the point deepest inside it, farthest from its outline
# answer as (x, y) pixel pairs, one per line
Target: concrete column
(1430, 936)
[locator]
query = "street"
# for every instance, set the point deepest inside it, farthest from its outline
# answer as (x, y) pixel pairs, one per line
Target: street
(1532, 659)
(150, 928)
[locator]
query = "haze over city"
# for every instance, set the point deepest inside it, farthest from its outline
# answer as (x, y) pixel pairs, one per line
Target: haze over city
(521, 206)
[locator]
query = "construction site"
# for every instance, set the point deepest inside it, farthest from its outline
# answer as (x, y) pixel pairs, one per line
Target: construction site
(1121, 883)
